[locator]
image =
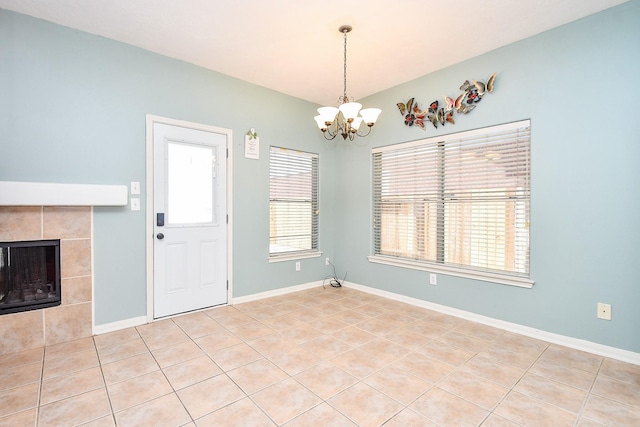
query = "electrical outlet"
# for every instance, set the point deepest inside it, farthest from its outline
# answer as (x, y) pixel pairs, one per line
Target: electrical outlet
(326, 261)
(604, 311)
(298, 266)
(433, 279)
(135, 204)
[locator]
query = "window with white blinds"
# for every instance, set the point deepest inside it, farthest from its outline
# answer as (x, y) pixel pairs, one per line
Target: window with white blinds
(459, 201)
(293, 203)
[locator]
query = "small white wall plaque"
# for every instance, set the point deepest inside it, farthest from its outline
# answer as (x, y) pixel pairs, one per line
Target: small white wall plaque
(252, 145)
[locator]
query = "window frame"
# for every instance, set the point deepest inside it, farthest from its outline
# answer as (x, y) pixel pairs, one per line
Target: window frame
(314, 189)
(439, 265)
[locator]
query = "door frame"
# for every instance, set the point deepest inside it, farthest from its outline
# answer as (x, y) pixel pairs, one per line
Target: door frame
(149, 220)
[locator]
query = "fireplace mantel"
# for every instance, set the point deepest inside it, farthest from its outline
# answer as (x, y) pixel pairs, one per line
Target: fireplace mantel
(53, 194)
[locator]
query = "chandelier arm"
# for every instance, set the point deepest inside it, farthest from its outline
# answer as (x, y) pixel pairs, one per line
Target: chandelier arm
(364, 134)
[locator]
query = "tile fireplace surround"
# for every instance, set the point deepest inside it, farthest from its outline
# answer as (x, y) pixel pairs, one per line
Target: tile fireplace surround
(73, 318)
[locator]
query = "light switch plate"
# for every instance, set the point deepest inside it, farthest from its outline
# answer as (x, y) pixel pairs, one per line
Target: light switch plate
(135, 187)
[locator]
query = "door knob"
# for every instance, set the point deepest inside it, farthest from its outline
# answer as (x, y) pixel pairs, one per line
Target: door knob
(160, 236)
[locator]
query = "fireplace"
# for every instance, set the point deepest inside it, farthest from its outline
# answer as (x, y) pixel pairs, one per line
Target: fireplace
(29, 275)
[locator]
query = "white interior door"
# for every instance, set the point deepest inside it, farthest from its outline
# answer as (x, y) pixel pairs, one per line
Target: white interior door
(190, 219)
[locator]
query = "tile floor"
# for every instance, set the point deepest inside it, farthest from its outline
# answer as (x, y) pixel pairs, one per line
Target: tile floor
(320, 357)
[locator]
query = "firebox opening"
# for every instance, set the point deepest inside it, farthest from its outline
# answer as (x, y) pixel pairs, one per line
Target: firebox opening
(29, 275)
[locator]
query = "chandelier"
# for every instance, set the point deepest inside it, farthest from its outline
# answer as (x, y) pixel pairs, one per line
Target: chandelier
(344, 120)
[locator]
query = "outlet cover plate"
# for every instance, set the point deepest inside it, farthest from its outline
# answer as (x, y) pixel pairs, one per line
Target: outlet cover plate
(604, 311)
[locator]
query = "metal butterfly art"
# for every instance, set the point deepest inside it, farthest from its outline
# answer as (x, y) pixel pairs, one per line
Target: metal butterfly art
(472, 93)
(412, 113)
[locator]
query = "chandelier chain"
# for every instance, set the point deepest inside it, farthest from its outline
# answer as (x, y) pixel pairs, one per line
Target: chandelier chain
(345, 99)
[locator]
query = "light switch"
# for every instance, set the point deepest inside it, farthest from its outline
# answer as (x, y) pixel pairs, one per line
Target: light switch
(135, 204)
(135, 187)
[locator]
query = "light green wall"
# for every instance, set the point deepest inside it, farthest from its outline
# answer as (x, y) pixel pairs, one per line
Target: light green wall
(72, 109)
(576, 84)
(73, 105)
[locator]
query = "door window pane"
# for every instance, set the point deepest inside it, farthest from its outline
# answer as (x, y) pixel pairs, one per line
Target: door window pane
(191, 175)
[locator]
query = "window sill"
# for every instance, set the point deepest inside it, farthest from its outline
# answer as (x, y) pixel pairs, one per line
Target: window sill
(293, 257)
(502, 279)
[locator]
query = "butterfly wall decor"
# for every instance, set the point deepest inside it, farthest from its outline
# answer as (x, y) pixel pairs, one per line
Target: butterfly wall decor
(472, 93)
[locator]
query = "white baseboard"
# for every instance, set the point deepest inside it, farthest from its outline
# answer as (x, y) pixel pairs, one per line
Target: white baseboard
(274, 293)
(120, 324)
(575, 343)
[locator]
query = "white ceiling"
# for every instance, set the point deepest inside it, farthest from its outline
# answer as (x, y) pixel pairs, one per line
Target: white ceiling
(293, 46)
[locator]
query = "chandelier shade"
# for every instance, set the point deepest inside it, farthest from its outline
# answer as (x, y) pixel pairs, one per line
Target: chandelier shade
(345, 120)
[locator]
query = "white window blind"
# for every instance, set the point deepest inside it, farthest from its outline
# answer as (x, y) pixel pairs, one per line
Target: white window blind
(293, 202)
(460, 200)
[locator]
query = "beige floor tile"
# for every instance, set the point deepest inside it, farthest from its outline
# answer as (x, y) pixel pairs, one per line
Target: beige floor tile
(75, 410)
(116, 337)
(212, 343)
(191, 372)
(572, 358)
(158, 327)
(326, 347)
(199, 326)
(207, 396)
(233, 357)
(529, 411)
(409, 418)
(131, 367)
(479, 331)
(11, 360)
(269, 345)
(396, 317)
(294, 360)
(424, 367)
(232, 320)
(378, 327)
(19, 375)
(621, 371)
(487, 368)
(407, 338)
(328, 324)
(257, 375)
(107, 421)
(566, 397)
(462, 341)
(383, 349)
(224, 311)
(177, 353)
(330, 309)
(326, 380)
(137, 390)
(494, 420)
(365, 406)
(123, 350)
(353, 335)
(19, 399)
(57, 366)
(371, 309)
(251, 331)
(510, 356)
(301, 334)
(617, 390)
(241, 413)
(358, 363)
(445, 353)
(285, 400)
(611, 413)
(163, 411)
(425, 329)
(322, 415)
(350, 317)
(64, 349)
(477, 390)
(555, 370)
(165, 339)
(444, 321)
(70, 385)
(20, 419)
(398, 384)
(446, 410)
